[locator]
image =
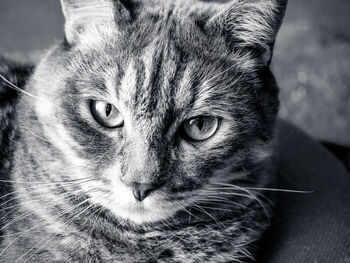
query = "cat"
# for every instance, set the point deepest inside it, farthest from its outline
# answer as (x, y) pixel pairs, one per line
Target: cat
(147, 135)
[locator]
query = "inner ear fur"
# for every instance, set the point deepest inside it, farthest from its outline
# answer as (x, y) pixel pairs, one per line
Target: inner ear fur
(253, 24)
(91, 16)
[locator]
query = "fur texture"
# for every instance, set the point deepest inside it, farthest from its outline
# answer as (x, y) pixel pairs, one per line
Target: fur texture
(159, 63)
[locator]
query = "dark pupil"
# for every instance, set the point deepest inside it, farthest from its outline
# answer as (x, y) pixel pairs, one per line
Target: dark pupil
(200, 123)
(108, 109)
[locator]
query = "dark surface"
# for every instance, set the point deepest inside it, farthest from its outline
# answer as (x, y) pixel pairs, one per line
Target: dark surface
(309, 227)
(340, 151)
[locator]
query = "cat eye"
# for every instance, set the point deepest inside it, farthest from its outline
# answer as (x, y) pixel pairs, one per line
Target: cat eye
(106, 114)
(200, 128)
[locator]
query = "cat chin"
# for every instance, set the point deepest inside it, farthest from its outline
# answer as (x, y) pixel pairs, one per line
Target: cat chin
(146, 212)
(144, 216)
(152, 209)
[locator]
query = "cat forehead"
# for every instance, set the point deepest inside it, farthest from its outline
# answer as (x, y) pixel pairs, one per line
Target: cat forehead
(155, 84)
(153, 69)
(156, 26)
(160, 64)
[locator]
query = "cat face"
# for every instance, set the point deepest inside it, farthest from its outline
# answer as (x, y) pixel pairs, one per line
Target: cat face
(154, 103)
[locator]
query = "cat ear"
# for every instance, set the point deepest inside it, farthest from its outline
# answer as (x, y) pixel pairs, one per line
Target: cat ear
(91, 16)
(253, 24)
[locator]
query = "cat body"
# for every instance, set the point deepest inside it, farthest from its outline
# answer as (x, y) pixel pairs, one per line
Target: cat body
(146, 136)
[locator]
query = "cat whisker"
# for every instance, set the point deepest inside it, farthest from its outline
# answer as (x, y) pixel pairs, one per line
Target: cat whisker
(280, 190)
(236, 187)
(214, 208)
(18, 218)
(192, 229)
(187, 211)
(33, 188)
(249, 195)
(62, 195)
(166, 225)
(51, 236)
(200, 208)
(35, 182)
(265, 189)
(249, 190)
(224, 201)
(43, 186)
(9, 84)
(217, 75)
(42, 222)
(198, 258)
(15, 220)
(247, 254)
(35, 135)
(209, 191)
(217, 209)
(171, 237)
(173, 232)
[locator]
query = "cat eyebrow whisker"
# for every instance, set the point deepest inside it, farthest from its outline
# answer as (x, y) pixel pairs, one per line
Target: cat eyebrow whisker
(35, 135)
(216, 76)
(9, 84)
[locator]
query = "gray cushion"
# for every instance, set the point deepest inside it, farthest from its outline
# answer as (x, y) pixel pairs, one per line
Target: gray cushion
(311, 227)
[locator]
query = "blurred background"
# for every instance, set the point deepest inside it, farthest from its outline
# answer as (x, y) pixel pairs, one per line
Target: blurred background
(311, 60)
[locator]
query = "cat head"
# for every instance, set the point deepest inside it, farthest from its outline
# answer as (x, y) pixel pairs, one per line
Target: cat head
(156, 100)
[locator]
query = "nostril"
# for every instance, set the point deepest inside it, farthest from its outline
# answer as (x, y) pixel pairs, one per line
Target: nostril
(141, 191)
(137, 194)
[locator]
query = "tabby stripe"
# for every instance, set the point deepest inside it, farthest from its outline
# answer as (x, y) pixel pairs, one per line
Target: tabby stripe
(118, 78)
(140, 69)
(156, 81)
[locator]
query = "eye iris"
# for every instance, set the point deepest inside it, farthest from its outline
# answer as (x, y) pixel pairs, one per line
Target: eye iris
(106, 114)
(201, 128)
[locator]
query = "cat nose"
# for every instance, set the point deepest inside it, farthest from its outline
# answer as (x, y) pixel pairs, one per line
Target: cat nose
(141, 191)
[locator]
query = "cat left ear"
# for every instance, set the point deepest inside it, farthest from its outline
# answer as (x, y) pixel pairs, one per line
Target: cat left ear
(253, 24)
(91, 16)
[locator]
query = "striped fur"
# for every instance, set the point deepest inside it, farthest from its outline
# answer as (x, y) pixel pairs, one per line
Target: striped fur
(159, 63)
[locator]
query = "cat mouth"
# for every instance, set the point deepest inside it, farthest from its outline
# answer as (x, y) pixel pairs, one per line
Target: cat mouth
(149, 211)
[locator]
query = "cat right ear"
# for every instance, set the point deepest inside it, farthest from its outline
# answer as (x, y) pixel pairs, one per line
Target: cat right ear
(88, 18)
(253, 24)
